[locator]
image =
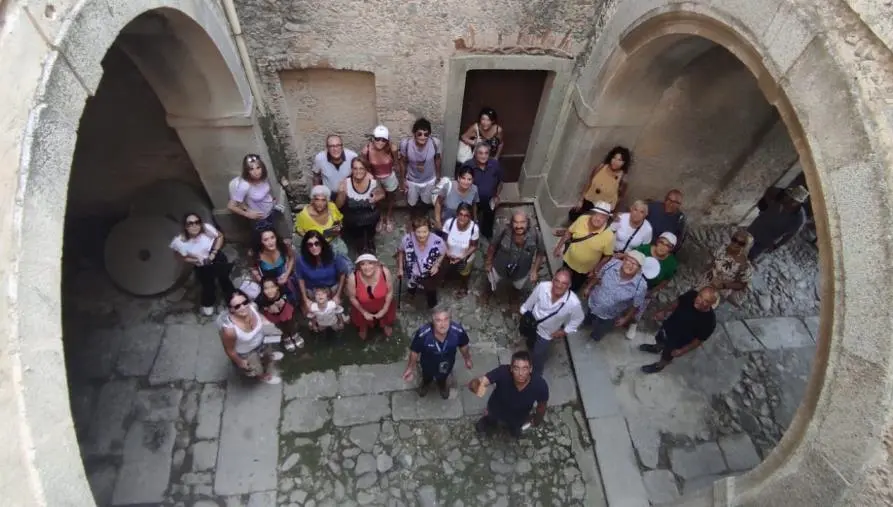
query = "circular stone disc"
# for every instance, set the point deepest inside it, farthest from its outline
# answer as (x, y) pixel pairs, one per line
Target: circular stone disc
(138, 257)
(171, 199)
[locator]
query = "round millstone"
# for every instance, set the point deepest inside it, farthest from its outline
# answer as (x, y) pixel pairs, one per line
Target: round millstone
(171, 199)
(138, 258)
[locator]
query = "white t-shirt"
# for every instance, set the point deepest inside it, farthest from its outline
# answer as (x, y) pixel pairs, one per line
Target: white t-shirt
(256, 197)
(328, 316)
(623, 231)
(199, 246)
(458, 241)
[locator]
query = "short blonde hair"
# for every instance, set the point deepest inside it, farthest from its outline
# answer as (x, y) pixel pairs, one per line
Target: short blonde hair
(640, 204)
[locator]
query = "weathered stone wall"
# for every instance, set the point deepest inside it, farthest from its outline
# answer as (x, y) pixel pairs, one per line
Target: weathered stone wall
(124, 144)
(406, 46)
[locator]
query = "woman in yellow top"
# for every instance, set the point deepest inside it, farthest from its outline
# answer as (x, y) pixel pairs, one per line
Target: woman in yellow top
(606, 183)
(324, 217)
(589, 242)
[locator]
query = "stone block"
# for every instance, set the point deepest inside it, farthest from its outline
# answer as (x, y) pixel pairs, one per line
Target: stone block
(102, 482)
(741, 337)
(355, 410)
(661, 486)
(471, 404)
(786, 37)
(249, 439)
(483, 362)
(355, 379)
(177, 356)
(698, 483)
(646, 440)
(209, 412)
(620, 473)
(593, 377)
(204, 455)
(703, 459)
(317, 384)
(780, 332)
(409, 406)
(211, 364)
(94, 356)
(562, 387)
(305, 416)
(139, 345)
(740, 453)
(365, 436)
(262, 499)
(146, 468)
(812, 325)
(112, 410)
(158, 404)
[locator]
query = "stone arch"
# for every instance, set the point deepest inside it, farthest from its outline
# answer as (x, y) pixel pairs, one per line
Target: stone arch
(216, 128)
(838, 429)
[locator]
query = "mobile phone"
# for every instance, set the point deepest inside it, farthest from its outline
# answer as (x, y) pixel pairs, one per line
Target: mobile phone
(525, 426)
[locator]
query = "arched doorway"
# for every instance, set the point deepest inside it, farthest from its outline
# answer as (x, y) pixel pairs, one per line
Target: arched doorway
(639, 55)
(184, 52)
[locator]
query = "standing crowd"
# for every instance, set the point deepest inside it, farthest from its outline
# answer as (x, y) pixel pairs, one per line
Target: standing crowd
(615, 261)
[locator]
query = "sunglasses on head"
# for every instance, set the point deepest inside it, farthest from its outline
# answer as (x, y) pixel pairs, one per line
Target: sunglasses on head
(253, 158)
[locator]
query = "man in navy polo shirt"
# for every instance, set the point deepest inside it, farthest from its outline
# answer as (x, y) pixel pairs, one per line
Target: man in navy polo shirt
(434, 347)
(488, 178)
(517, 390)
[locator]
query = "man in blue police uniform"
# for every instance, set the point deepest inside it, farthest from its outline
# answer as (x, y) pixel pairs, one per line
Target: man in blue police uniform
(434, 348)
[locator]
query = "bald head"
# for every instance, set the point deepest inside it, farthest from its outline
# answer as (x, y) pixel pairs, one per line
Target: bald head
(706, 299)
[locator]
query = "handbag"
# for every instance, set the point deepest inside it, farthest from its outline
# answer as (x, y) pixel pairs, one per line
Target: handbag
(528, 324)
(464, 152)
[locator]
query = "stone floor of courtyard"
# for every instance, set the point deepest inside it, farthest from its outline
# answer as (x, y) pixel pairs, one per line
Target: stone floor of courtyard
(162, 419)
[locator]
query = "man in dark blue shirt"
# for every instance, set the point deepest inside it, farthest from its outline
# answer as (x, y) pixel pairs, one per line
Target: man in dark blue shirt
(517, 390)
(667, 216)
(434, 347)
(690, 323)
(488, 178)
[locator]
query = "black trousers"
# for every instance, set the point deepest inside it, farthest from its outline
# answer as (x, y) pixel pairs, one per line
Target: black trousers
(360, 237)
(573, 214)
(492, 421)
(430, 296)
(486, 217)
(666, 353)
(211, 275)
(578, 280)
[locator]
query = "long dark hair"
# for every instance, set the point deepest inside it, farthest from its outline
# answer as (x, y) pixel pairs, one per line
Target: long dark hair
(624, 154)
(259, 245)
(201, 224)
(246, 169)
(234, 293)
(326, 255)
(490, 113)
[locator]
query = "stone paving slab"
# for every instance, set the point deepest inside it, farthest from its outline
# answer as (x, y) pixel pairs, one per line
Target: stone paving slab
(646, 440)
(204, 455)
(102, 483)
(741, 337)
(305, 416)
(158, 404)
(146, 468)
(780, 332)
(472, 405)
(620, 473)
(739, 451)
(409, 406)
(95, 354)
(112, 410)
(249, 438)
(812, 325)
(210, 411)
(139, 345)
(177, 355)
(262, 499)
(355, 379)
(703, 459)
(703, 482)
(212, 364)
(313, 385)
(593, 376)
(661, 486)
(355, 410)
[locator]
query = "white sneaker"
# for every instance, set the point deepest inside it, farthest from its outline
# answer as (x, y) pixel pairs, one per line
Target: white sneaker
(277, 356)
(273, 380)
(631, 331)
(207, 311)
(299, 342)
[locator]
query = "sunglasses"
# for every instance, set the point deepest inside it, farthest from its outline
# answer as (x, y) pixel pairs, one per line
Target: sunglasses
(421, 134)
(312, 244)
(675, 202)
(193, 222)
(380, 139)
(739, 242)
(252, 158)
(334, 145)
(238, 305)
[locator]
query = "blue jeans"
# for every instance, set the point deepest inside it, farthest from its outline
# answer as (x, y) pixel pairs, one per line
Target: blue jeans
(539, 354)
(600, 327)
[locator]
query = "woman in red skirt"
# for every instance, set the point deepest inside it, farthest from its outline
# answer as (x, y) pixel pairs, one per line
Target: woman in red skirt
(371, 296)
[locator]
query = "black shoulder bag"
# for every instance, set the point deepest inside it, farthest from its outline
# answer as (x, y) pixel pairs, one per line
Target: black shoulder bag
(529, 323)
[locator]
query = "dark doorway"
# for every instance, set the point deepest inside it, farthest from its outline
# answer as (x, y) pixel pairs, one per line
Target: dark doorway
(515, 95)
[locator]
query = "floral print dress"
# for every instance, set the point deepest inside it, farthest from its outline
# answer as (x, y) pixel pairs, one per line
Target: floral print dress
(727, 269)
(420, 260)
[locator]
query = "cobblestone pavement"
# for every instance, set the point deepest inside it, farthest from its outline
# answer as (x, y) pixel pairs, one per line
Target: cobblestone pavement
(162, 418)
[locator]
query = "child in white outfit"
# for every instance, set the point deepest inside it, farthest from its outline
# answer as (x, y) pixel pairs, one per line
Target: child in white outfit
(324, 313)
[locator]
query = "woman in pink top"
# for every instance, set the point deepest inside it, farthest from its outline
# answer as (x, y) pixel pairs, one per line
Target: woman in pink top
(382, 155)
(251, 196)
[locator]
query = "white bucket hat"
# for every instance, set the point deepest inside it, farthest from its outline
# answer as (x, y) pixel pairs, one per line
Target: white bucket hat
(381, 131)
(367, 257)
(651, 268)
(603, 208)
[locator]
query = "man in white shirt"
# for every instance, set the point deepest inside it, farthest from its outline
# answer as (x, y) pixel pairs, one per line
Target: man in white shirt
(332, 165)
(558, 312)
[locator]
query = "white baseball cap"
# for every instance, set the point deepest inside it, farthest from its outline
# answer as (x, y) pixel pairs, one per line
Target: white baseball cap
(381, 132)
(651, 268)
(670, 237)
(602, 207)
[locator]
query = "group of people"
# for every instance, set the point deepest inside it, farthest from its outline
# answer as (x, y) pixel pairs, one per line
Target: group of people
(616, 261)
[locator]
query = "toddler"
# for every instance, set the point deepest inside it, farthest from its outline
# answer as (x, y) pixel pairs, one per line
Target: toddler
(280, 312)
(324, 313)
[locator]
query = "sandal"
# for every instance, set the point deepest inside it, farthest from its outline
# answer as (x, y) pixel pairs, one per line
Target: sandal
(379, 226)
(389, 225)
(460, 293)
